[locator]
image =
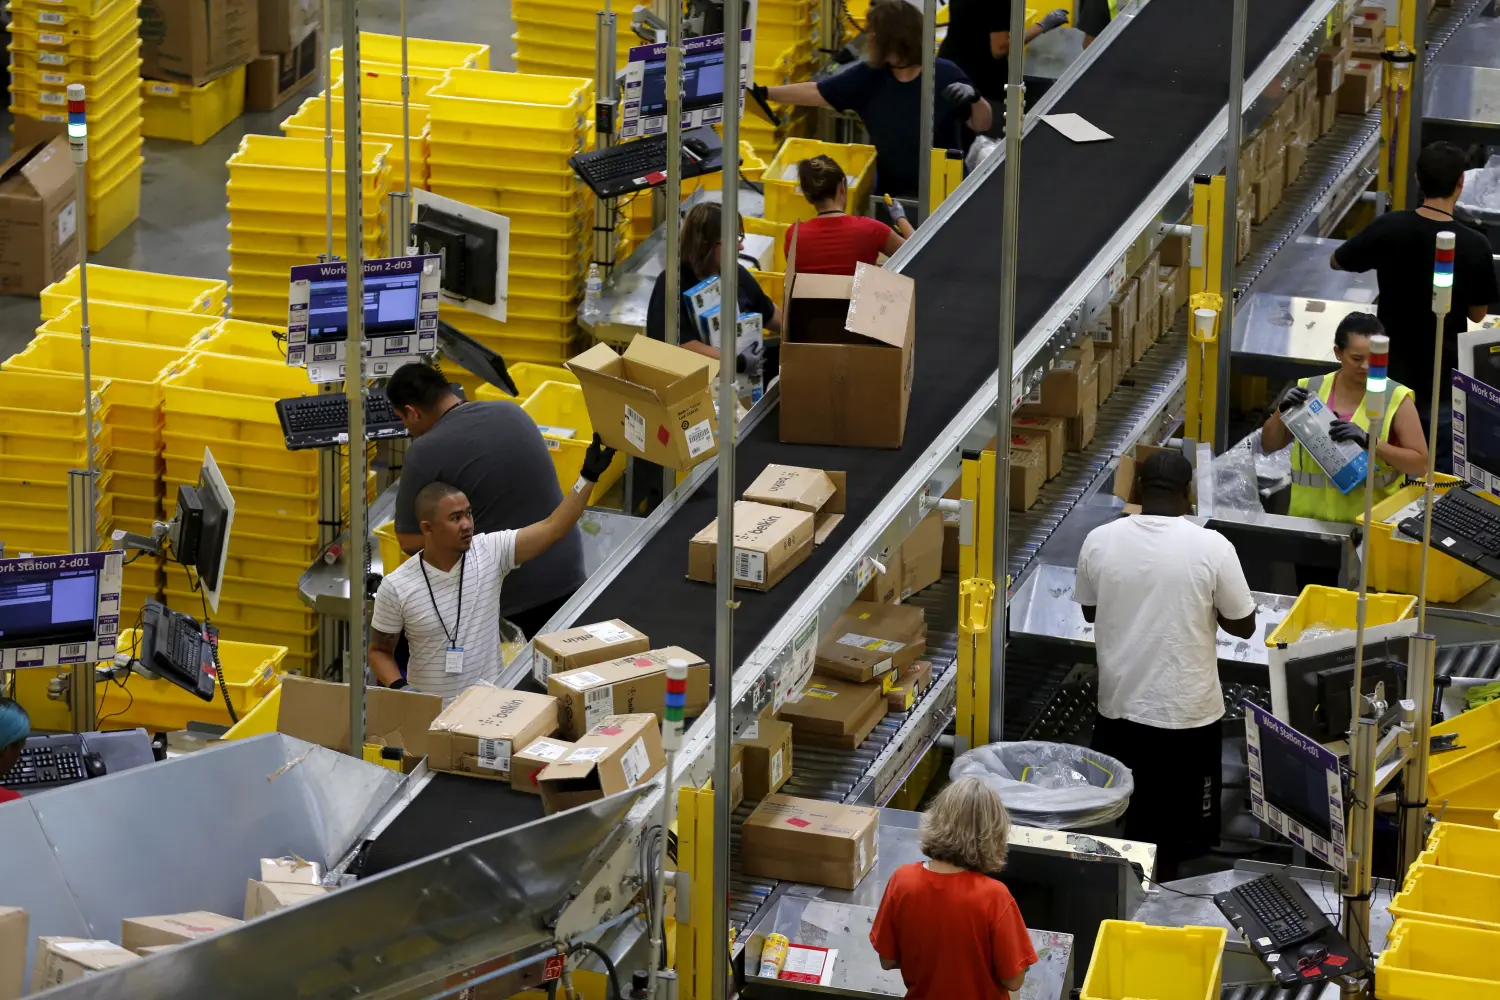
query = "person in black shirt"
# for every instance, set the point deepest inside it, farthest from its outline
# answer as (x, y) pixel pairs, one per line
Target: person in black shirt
(886, 92)
(978, 41)
(1093, 17)
(1400, 248)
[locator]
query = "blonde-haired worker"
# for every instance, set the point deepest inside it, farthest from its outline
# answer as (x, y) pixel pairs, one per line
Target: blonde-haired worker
(953, 931)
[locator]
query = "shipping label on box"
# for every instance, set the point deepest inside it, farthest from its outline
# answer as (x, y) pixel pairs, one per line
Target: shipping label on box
(478, 732)
(526, 764)
(584, 644)
(870, 639)
(622, 751)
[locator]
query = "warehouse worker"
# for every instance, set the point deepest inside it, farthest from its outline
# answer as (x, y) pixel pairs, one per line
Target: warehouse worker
(701, 256)
(1093, 17)
(1400, 248)
(493, 452)
(1401, 447)
(948, 923)
(1157, 588)
(833, 242)
(15, 726)
(978, 41)
(886, 92)
(447, 598)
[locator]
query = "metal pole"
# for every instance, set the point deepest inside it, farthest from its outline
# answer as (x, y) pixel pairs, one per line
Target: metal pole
(729, 257)
(672, 191)
(1355, 925)
(671, 743)
(399, 235)
(1375, 387)
(326, 54)
(929, 95)
(81, 517)
(1442, 302)
(1421, 666)
(605, 125)
(1010, 260)
(355, 559)
(78, 149)
(1234, 111)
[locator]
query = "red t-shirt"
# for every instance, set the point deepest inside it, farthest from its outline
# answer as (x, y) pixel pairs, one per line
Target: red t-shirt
(833, 244)
(956, 936)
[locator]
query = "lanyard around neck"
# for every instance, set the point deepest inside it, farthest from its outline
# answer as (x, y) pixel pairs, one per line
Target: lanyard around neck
(459, 616)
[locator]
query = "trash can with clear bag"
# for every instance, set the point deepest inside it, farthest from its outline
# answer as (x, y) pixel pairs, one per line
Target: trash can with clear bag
(1056, 786)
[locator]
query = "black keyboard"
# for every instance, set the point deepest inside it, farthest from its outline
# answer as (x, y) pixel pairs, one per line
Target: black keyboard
(1281, 908)
(642, 163)
(171, 645)
(1462, 513)
(51, 761)
(323, 420)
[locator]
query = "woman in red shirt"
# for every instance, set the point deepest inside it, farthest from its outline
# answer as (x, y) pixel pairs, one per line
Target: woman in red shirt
(833, 242)
(953, 931)
(15, 726)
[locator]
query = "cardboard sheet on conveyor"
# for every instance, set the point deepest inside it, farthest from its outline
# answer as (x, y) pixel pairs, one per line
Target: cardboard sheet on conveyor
(1155, 89)
(450, 810)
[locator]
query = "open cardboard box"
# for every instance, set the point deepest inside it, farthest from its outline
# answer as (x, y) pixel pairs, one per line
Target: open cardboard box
(1127, 477)
(654, 402)
(318, 712)
(848, 347)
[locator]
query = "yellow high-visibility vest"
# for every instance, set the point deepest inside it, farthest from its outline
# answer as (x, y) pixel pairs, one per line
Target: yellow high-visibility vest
(1313, 495)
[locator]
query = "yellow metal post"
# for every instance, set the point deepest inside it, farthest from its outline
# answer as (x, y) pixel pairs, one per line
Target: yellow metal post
(1399, 101)
(976, 598)
(1205, 292)
(695, 858)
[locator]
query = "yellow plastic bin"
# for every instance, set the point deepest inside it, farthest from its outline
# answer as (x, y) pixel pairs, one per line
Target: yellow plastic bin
(1134, 961)
(230, 399)
(425, 52)
(1396, 561)
(515, 100)
(784, 200)
(1449, 896)
(261, 719)
(1333, 608)
(528, 377)
(563, 419)
(1476, 729)
(237, 338)
(1471, 780)
(139, 288)
(265, 169)
(136, 324)
(1430, 961)
(1467, 848)
(192, 114)
(391, 555)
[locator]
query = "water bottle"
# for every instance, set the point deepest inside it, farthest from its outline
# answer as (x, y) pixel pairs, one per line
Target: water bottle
(593, 287)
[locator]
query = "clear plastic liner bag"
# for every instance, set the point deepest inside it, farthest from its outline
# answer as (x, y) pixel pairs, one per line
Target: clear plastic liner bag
(1273, 468)
(512, 642)
(1057, 786)
(1481, 197)
(980, 151)
(1236, 479)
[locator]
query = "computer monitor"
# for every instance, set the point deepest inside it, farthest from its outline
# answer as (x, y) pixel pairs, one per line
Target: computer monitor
(1296, 786)
(57, 610)
(702, 84)
(201, 526)
(1071, 891)
(392, 302)
(704, 75)
(1318, 687)
(1476, 431)
(474, 247)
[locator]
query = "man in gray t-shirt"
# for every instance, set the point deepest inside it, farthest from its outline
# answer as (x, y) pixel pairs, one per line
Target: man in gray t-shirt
(493, 452)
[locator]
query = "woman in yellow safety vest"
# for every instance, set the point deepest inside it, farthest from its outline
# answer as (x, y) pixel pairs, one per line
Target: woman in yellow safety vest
(1400, 448)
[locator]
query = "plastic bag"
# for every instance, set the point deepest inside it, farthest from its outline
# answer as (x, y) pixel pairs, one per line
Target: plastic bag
(1481, 197)
(1236, 481)
(1057, 786)
(1273, 468)
(512, 642)
(980, 151)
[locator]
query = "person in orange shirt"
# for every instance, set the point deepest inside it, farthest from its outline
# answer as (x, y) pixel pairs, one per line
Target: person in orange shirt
(953, 930)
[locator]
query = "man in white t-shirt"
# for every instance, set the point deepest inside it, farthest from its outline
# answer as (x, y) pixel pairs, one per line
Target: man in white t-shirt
(1157, 588)
(446, 598)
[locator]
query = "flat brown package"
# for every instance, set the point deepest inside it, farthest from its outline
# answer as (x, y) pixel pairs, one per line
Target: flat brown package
(581, 645)
(137, 933)
(621, 752)
(14, 936)
(871, 639)
(810, 490)
(769, 542)
(911, 685)
(267, 897)
(767, 748)
(477, 734)
(835, 714)
(62, 960)
(195, 41)
(806, 840)
(526, 764)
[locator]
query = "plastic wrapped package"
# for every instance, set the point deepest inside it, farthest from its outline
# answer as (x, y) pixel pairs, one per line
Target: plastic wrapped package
(1057, 786)
(980, 151)
(1273, 468)
(1236, 479)
(512, 642)
(1481, 197)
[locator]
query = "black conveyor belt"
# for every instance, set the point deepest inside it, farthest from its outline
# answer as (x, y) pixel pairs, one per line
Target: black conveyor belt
(450, 810)
(1155, 88)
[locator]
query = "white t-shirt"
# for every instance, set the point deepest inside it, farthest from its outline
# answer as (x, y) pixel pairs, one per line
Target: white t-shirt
(403, 604)
(1156, 584)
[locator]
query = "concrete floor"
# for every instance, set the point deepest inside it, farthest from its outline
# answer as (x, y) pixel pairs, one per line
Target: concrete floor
(182, 228)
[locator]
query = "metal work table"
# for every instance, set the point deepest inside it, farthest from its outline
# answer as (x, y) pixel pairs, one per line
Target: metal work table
(1463, 84)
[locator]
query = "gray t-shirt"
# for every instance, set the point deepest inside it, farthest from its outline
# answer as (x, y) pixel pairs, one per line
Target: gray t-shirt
(495, 454)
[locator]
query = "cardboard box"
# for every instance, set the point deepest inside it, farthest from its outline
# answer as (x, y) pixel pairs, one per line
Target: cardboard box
(285, 23)
(292, 870)
(921, 556)
(1127, 476)
(154, 950)
(769, 542)
(172, 929)
(318, 712)
(477, 734)
(38, 217)
(1028, 470)
(911, 685)
(1080, 429)
(1367, 29)
(835, 714)
(526, 764)
(1361, 88)
(654, 402)
(806, 840)
(585, 644)
(1052, 430)
(871, 639)
(62, 960)
(766, 746)
(195, 41)
(14, 936)
(1104, 384)
(736, 776)
(624, 686)
(275, 78)
(847, 355)
(1328, 113)
(810, 490)
(1061, 390)
(621, 752)
(267, 897)
(1173, 251)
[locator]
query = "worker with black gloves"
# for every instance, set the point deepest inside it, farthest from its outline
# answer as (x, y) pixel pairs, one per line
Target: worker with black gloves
(701, 255)
(886, 92)
(1401, 447)
(978, 41)
(446, 599)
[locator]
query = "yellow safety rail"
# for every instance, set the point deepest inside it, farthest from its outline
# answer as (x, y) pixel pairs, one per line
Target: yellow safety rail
(695, 857)
(976, 597)
(1394, 173)
(1205, 293)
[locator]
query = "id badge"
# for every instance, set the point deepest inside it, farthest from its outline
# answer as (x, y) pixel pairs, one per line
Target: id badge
(453, 660)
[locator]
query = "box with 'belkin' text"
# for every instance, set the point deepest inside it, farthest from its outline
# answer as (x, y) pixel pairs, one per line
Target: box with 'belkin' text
(769, 542)
(477, 734)
(652, 402)
(622, 751)
(584, 644)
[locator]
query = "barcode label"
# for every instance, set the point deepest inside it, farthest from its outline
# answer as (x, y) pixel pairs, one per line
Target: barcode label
(52, 97)
(871, 643)
(635, 762)
(57, 79)
(51, 58)
(495, 755)
(700, 438)
(546, 749)
(598, 705)
(749, 566)
(587, 753)
(48, 38)
(164, 89)
(51, 17)
(635, 428)
(609, 632)
(73, 652)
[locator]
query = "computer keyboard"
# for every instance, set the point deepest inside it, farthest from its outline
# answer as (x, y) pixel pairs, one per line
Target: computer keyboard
(1460, 512)
(50, 761)
(642, 163)
(172, 645)
(323, 420)
(1281, 908)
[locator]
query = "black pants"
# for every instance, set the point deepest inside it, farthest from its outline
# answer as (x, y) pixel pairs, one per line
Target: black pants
(1178, 779)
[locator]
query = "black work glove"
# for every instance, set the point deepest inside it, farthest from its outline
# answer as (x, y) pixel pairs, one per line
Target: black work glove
(760, 93)
(961, 95)
(1295, 396)
(1054, 20)
(596, 460)
(1343, 430)
(751, 360)
(397, 684)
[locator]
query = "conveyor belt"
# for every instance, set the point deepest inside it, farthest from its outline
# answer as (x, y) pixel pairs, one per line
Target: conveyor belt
(1155, 88)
